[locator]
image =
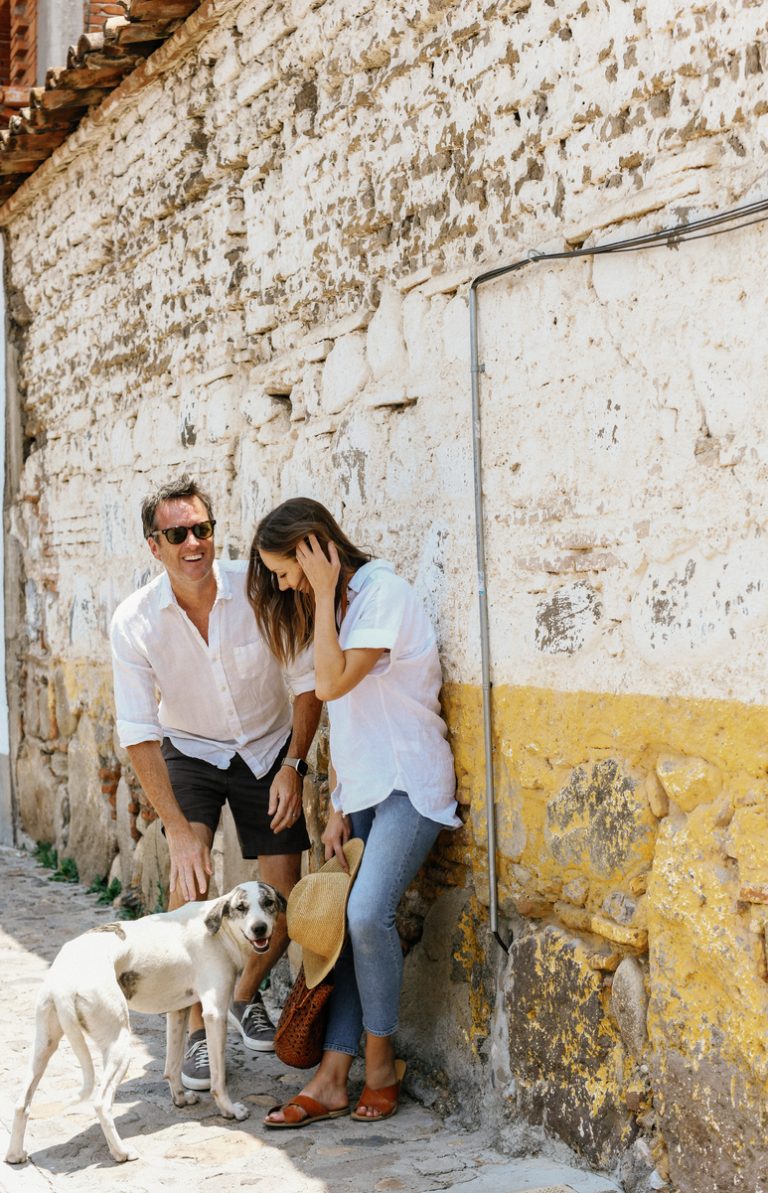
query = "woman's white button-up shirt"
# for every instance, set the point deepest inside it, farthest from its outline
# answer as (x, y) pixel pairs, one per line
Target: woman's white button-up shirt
(387, 733)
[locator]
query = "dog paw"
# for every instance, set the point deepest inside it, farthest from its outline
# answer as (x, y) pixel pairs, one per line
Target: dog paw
(125, 1155)
(16, 1157)
(240, 1111)
(185, 1098)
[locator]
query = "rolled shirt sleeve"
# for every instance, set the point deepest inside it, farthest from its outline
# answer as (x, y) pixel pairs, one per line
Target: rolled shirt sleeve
(135, 691)
(300, 675)
(376, 615)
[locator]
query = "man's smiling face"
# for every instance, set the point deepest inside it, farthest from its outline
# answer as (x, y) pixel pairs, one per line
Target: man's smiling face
(190, 562)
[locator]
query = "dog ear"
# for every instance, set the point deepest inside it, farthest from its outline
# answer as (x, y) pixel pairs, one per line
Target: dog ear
(282, 902)
(216, 915)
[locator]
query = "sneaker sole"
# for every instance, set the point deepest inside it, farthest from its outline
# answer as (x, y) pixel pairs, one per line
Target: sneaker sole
(251, 1044)
(196, 1083)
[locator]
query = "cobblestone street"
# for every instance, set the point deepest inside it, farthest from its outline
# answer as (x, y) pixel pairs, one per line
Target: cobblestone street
(196, 1149)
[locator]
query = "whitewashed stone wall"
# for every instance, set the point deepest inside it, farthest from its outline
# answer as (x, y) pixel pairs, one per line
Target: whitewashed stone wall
(255, 268)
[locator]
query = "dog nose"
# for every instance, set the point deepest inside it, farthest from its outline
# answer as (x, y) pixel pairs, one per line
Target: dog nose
(260, 929)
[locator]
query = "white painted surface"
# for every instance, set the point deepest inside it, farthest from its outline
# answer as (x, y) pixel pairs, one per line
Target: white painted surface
(59, 25)
(256, 270)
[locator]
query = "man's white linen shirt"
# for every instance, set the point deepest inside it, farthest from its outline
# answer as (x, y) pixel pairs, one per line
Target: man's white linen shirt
(387, 733)
(219, 698)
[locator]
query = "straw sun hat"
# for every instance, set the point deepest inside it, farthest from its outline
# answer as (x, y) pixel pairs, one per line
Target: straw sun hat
(317, 912)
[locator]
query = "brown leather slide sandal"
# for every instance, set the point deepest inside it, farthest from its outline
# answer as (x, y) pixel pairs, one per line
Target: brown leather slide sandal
(383, 1101)
(303, 1110)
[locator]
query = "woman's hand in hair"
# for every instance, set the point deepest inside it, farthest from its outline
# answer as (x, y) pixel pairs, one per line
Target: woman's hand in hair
(322, 571)
(337, 831)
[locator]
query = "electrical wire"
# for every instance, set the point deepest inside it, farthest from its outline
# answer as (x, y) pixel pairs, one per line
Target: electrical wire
(699, 229)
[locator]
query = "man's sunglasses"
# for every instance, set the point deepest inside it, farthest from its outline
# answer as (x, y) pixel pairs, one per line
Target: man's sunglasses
(178, 534)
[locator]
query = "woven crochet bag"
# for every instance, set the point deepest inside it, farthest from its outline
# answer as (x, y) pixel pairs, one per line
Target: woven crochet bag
(301, 1030)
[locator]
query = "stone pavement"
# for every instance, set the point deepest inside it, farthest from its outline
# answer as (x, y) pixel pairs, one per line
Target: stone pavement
(194, 1149)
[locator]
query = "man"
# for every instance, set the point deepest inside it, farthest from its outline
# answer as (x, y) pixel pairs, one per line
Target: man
(224, 730)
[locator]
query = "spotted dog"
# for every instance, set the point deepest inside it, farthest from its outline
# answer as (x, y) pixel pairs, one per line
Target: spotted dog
(159, 964)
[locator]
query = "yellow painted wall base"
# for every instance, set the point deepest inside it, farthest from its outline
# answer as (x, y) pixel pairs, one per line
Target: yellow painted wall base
(636, 828)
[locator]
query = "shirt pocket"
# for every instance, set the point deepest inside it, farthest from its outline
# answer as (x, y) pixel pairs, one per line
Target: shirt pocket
(249, 660)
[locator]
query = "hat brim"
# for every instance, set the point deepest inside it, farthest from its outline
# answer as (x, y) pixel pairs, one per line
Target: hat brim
(317, 966)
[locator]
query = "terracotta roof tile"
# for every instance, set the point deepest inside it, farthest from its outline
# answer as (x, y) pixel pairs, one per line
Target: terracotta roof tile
(45, 116)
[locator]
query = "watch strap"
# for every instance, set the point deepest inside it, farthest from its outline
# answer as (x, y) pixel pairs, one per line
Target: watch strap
(298, 764)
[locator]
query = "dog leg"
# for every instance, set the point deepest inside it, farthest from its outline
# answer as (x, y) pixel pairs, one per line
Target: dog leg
(116, 1058)
(175, 1033)
(215, 1020)
(106, 1021)
(48, 1033)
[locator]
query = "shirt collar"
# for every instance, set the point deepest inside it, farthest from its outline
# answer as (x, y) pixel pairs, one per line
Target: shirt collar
(223, 587)
(362, 574)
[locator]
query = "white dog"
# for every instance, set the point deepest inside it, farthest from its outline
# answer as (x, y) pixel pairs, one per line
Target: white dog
(161, 963)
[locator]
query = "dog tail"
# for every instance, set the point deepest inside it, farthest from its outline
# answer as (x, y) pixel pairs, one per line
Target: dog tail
(72, 1021)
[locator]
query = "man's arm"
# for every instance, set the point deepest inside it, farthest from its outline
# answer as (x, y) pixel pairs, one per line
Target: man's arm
(190, 857)
(285, 792)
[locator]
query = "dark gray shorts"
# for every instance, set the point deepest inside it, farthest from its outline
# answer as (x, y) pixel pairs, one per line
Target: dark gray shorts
(202, 790)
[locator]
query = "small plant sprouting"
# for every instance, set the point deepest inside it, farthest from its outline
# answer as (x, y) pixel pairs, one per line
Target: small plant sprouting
(45, 855)
(67, 871)
(63, 871)
(161, 903)
(105, 892)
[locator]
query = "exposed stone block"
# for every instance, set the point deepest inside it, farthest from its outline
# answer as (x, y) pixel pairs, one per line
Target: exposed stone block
(260, 318)
(658, 800)
(430, 965)
(345, 373)
(688, 781)
(35, 785)
(601, 821)
(92, 838)
(559, 1033)
(588, 921)
(151, 867)
(629, 1003)
(385, 345)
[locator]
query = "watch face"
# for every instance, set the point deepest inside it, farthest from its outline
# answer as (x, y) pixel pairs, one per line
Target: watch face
(302, 767)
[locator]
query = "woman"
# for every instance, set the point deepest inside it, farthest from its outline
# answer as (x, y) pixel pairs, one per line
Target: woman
(376, 665)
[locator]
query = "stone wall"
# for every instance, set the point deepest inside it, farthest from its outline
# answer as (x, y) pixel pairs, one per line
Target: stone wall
(254, 266)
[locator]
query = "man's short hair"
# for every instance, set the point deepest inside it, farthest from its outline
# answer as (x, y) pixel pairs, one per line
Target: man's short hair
(184, 486)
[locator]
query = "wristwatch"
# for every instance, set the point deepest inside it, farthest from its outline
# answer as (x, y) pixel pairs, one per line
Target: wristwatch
(298, 764)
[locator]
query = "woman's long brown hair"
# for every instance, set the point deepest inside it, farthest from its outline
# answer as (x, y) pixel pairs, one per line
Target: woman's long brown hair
(287, 619)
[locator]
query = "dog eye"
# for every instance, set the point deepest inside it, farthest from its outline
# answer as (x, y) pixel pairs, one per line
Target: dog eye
(241, 906)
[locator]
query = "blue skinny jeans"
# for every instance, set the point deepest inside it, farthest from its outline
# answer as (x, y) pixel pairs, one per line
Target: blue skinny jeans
(369, 973)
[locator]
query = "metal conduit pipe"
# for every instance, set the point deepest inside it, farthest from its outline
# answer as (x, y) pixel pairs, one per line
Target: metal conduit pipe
(712, 225)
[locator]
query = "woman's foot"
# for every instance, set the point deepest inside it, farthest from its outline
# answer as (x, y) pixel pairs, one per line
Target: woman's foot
(328, 1094)
(378, 1102)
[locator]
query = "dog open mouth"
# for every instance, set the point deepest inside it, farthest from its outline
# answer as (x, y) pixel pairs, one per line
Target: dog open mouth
(259, 944)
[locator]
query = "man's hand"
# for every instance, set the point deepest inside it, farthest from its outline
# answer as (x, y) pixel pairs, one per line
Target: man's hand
(337, 832)
(190, 863)
(285, 799)
(189, 845)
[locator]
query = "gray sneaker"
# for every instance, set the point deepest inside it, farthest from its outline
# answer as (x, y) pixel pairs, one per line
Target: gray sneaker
(254, 1024)
(196, 1071)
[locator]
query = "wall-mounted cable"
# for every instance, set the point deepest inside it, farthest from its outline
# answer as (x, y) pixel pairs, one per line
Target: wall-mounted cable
(711, 225)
